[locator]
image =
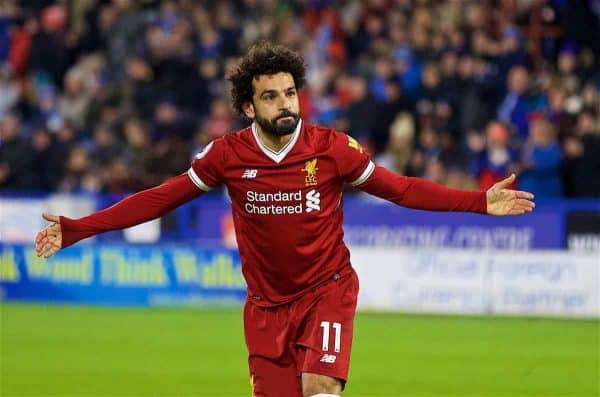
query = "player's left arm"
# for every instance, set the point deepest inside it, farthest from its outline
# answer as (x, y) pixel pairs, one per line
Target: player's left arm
(356, 167)
(422, 194)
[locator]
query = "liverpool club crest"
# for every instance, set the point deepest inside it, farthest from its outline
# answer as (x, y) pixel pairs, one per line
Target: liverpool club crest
(310, 167)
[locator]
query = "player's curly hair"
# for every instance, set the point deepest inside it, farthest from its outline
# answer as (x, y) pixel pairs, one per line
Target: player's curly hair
(263, 59)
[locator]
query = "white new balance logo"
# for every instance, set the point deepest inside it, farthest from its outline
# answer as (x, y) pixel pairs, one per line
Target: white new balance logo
(328, 358)
(313, 201)
(249, 173)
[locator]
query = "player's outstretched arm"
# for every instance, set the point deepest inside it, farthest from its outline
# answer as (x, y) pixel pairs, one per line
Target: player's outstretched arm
(425, 195)
(503, 201)
(138, 208)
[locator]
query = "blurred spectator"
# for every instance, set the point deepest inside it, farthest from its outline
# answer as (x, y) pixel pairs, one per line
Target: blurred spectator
(386, 111)
(477, 103)
(567, 60)
(541, 162)
(452, 154)
(494, 159)
(168, 157)
(429, 143)
(122, 25)
(47, 160)
(220, 120)
(141, 88)
(106, 146)
(514, 108)
(65, 140)
(79, 176)
(509, 49)
(49, 53)
(360, 114)
(139, 147)
(382, 72)
(119, 178)
(199, 91)
(430, 92)
(581, 23)
(400, 146)
(9, 90)
(583, 157)
(9, 12)
(450, 83)
(556, 111)
(171, 121)
(20, 45)
(74, 101)
(591, 97)
(408, 67)
(16, 158)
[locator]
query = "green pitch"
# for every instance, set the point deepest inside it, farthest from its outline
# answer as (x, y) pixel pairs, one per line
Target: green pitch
(82, 351)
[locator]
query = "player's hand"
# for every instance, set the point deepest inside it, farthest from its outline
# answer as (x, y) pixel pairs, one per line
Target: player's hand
(49, 240)
(503, 201)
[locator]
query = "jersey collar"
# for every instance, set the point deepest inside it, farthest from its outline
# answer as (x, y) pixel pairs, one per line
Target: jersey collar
(279, 155)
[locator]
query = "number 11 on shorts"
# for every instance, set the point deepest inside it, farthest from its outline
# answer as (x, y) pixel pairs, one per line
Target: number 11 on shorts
(338, 335)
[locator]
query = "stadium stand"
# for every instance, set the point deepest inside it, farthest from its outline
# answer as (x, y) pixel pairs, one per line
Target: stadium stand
(115, 96)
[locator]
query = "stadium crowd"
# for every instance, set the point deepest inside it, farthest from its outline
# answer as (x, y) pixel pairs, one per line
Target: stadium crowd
(117, 95)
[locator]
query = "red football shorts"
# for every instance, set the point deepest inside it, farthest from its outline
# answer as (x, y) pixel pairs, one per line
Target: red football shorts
(310, 334)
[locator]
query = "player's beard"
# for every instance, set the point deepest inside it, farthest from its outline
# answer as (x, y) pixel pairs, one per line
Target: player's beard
(284, 124)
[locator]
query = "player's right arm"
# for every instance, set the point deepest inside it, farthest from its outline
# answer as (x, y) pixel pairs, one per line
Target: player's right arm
(133, 210)
(141, 207)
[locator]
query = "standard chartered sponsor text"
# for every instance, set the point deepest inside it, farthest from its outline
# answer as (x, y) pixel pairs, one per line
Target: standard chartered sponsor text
(291, 203)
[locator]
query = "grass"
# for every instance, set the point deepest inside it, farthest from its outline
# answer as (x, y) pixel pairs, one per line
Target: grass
(87, 351)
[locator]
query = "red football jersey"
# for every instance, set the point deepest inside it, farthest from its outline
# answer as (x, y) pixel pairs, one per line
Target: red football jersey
(287, 205)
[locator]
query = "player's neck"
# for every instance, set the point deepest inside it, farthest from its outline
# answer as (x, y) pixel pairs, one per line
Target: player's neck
(273, 142)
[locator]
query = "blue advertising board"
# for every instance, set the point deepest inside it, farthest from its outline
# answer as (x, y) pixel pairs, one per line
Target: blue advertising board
(382, 224)
(122, 275)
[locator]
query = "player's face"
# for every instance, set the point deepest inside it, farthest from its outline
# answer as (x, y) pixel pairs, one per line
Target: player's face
(275, 106)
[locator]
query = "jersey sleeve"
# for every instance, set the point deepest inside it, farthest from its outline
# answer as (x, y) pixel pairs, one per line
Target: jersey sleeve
(421, 194)
(138, 208)
(206, 170)
(353, 162)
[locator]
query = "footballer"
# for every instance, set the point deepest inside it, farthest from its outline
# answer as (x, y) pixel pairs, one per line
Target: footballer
(285, 178)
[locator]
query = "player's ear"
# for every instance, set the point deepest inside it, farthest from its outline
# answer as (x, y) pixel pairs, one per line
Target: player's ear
(248, 109)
